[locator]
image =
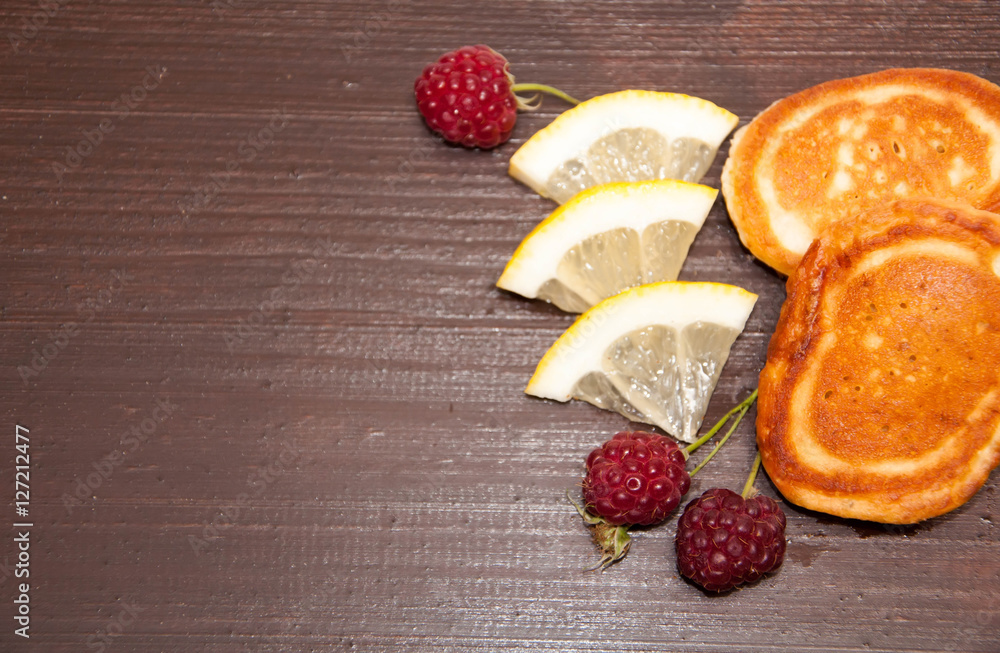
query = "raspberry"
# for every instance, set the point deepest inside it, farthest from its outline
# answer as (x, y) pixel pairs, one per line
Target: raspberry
(467, 97)
(638, 478)
(724, 540)
(635, 478)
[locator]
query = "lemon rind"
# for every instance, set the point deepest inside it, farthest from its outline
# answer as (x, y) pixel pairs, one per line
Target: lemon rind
(581, 349)
(573, 131)
(633, 205)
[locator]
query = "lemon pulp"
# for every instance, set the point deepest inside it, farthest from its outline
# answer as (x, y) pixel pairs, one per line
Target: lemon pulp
(634, 154)
(657, 375)
(653, 353)
(602, 265)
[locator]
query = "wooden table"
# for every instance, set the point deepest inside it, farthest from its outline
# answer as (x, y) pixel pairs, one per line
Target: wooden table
(272, 397)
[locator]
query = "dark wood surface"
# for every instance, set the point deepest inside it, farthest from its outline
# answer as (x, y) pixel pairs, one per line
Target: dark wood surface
(348, 461)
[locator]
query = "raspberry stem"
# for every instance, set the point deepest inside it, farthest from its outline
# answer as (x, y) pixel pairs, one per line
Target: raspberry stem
(613, 541)
(532, 103)
(748, 488)
(691, 448)
(742, 409)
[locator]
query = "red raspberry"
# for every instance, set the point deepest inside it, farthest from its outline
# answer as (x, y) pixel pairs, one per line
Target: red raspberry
(724, 540)
(635, 478)
(467, 97)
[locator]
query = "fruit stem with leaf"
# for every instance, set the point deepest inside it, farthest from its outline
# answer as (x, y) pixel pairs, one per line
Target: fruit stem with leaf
(748, 490)
(740, 408)
(535, 101)
(469, 97)
(614, 540)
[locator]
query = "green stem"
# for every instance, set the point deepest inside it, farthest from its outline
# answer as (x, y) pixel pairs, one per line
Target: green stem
(753, 476)
(613, 541)
(732, 428)
(545, 89)
(745, 404)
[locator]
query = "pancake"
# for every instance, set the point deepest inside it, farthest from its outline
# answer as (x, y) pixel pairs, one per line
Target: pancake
(880, 399)
(837, 149)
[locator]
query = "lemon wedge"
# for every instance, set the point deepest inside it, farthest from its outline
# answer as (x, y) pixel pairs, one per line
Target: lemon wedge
(652, 353)
(606, 239)
(623, 136)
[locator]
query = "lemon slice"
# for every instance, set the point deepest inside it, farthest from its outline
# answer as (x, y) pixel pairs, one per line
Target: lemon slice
(652, 353)
(609, 238)
(624, 136)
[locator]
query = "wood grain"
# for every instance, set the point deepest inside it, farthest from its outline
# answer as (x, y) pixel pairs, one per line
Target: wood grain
(350, 441)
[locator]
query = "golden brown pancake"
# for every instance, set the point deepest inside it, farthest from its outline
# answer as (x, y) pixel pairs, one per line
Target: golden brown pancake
(837, 149)
(880, 398)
